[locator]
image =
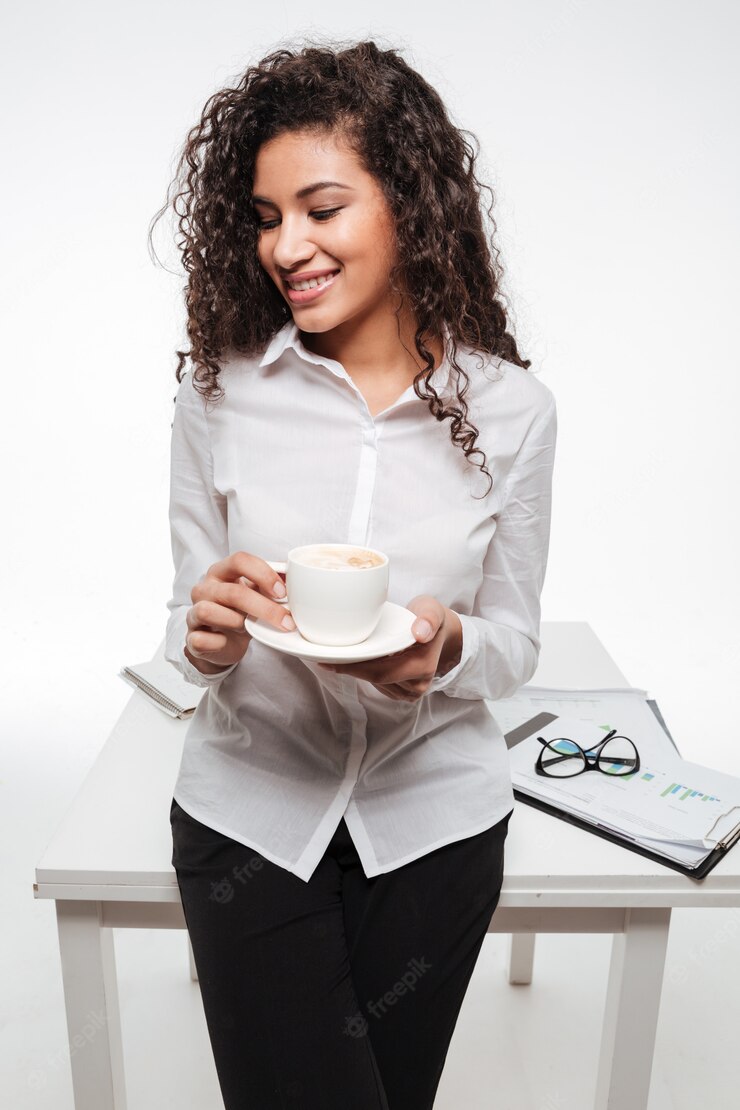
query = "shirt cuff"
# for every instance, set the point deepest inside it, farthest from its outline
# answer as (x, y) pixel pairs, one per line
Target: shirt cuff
(470, 641)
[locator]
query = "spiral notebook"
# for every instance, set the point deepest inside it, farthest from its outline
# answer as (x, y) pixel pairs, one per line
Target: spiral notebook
(162, 684)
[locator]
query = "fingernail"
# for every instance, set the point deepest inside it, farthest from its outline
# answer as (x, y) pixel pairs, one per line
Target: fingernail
(423, 629)
(289, 623)
(279, 589)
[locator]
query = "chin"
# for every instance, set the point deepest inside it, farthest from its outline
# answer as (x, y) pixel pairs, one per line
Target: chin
(314, 326)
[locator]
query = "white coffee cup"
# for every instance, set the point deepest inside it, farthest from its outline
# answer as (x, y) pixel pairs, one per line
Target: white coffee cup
(334, 601)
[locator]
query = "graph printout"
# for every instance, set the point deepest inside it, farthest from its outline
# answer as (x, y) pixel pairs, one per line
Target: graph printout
(667, 800)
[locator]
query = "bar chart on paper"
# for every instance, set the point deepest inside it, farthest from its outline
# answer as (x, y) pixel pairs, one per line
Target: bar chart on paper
(678, 788)
(681, 807)
(675, 788)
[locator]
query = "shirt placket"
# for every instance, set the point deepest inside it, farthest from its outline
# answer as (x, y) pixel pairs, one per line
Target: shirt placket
(358, 531)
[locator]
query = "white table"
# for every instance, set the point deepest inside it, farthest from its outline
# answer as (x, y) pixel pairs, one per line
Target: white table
(108, 866)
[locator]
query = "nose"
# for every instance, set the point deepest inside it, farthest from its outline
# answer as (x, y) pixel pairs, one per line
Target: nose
(292, 244)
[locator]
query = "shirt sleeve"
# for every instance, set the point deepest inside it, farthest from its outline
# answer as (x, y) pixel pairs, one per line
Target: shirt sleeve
(501, 642)
(198, 528)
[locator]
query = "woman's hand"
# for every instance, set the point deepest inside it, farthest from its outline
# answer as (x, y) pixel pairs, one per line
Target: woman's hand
(240, 585)
(407, 675)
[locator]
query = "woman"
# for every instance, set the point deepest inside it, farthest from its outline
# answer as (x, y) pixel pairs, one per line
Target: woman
(338, 832)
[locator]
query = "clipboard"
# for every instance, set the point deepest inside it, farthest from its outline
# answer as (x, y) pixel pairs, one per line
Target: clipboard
(514, 736)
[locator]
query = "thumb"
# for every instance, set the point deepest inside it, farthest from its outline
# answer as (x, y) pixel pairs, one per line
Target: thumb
(430, 617)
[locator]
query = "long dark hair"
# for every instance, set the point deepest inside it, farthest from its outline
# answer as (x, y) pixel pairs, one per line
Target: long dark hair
(449, 269)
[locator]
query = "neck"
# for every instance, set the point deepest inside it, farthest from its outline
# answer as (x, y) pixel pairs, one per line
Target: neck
(372, 348)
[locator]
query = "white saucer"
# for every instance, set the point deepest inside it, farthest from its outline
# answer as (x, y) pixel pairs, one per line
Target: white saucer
(393, 633)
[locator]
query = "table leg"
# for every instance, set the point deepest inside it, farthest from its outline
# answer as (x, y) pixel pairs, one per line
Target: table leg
(91, 1002)
(191, 957)
(631, 1014)
(521, 957)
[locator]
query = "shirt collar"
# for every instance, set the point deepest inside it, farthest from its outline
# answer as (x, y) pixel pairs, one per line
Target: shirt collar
(286, 337)
(289, 337)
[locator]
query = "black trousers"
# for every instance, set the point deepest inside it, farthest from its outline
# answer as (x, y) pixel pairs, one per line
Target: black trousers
(340, 993)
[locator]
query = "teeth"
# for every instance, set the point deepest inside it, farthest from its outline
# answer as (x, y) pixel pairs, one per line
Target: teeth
(312, 283)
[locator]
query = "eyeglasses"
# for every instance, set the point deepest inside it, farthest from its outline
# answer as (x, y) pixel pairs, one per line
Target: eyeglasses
(563, 758)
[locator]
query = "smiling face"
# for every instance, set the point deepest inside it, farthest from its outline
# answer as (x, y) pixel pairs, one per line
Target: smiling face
(343, 231)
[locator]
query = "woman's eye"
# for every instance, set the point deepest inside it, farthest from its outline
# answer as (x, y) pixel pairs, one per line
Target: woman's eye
(322, 215)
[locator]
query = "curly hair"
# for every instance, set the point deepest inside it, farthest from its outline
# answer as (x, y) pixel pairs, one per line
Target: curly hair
(448, 271)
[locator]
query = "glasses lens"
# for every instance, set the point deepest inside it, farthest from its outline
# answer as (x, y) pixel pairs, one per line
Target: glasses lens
(618, 756)
(561, 758)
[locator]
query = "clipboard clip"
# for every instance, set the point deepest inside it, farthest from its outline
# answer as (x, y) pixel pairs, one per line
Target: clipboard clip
(723, 843)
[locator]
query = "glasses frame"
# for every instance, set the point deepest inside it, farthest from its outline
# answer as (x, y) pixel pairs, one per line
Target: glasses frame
(591, 762)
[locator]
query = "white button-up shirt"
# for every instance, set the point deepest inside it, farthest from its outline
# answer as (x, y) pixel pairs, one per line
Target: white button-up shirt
(279, 750)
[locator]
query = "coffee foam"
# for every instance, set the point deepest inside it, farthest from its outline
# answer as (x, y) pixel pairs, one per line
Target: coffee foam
(341, 558)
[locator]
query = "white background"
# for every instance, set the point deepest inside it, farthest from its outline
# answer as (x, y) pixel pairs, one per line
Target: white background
(609, 134)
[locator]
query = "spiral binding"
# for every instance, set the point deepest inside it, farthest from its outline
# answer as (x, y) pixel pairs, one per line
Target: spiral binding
(156, 696)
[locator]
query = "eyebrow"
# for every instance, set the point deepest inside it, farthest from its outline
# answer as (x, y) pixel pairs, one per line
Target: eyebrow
(306, 191)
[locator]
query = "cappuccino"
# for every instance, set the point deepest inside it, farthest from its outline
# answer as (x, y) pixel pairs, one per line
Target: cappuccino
(336, 609)
(340, 558)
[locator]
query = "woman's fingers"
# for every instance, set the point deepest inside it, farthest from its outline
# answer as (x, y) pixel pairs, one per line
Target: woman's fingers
(239, 586)
(202, 643)
(251, 603)
(240, 564)
(211, 616)
(224, 589)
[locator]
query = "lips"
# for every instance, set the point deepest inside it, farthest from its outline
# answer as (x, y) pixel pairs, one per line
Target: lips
(308, 275)
(304, 296)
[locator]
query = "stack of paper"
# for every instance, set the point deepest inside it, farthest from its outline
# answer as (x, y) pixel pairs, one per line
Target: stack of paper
(677, 809)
